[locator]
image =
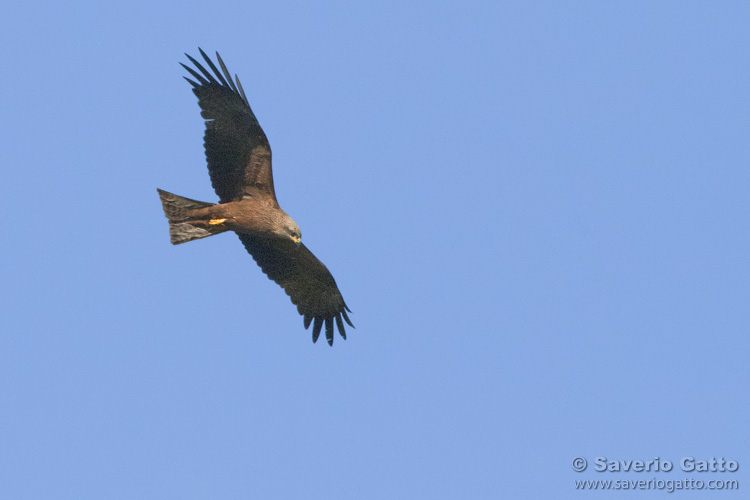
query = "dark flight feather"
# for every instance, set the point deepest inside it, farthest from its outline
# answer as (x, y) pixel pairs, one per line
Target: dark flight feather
(213, 67)
(226, 73)
(195, 74)
(207, 74)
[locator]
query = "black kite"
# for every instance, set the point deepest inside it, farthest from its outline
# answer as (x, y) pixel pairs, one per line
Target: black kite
(239, 163)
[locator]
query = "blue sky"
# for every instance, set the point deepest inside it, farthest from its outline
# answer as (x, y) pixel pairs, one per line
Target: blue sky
(537, 211)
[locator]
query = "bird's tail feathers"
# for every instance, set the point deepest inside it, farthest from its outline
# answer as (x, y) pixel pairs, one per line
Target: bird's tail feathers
(181, 228)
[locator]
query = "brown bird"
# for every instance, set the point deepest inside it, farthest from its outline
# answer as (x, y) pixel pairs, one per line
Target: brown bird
(239, 164)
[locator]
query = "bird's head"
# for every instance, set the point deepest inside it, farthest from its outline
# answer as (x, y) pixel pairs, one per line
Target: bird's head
(291, 230)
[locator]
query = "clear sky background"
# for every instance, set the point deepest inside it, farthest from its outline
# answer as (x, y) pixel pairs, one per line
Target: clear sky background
(537, 211)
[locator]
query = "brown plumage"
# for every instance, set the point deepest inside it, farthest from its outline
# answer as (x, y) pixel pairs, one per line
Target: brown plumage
(239, 163)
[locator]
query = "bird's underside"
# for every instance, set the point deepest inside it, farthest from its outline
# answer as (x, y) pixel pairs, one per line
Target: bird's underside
(239, 164)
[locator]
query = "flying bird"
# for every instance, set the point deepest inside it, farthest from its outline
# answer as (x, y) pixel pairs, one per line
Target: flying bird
(239, 164)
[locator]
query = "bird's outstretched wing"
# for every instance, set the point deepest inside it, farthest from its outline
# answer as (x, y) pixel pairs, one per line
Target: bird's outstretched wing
(237, 150)
(305, 279)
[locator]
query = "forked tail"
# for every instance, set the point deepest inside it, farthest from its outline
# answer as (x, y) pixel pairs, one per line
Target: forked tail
(181, 228)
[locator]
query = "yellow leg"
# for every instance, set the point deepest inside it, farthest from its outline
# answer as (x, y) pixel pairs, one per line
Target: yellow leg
(215, 222)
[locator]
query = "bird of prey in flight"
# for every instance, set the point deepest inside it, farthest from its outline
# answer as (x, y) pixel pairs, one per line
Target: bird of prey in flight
(239, 164)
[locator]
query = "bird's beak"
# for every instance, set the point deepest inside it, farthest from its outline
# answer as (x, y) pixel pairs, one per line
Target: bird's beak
(296, 239)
